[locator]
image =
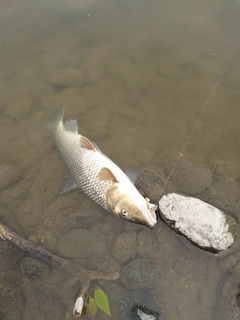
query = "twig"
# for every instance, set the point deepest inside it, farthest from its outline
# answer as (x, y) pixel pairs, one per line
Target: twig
(58, 262)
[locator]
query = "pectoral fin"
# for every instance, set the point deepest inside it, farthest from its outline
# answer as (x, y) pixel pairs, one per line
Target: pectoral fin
(86, 143)
(106, 174)
(70, 184)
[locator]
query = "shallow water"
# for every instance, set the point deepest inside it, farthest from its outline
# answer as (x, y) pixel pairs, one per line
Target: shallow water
(146, 70)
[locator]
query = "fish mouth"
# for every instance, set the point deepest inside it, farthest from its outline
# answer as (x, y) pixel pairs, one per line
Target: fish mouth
(150, 217)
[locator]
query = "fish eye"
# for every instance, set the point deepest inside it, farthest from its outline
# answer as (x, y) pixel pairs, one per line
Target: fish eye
(124, 212)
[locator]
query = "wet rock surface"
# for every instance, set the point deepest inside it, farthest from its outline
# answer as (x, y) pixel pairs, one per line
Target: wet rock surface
(142, 313)
(80, 243)
(189, 177)
(149, 183)
(9, 176)
(124, 248)
(34, 269)
(75, 222)
(200, 222)
(140, 274)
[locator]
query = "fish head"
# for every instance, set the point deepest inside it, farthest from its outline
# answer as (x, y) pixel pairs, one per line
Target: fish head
(131, 208)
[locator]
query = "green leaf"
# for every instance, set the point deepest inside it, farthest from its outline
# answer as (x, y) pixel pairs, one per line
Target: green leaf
(92, 306)
(102, 300)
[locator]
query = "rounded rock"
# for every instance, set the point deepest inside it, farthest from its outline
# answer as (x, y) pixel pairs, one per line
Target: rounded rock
(139, 274)
(125, 246)
(80, 243)
(189, 177)
(202, 223)
(149, 183)
(34, 269)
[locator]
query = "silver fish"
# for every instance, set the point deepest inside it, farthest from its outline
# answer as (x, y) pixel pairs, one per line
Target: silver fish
(99, 177)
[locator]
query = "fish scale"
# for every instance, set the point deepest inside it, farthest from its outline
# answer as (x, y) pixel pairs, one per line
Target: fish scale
(85, 176)
(99, 177)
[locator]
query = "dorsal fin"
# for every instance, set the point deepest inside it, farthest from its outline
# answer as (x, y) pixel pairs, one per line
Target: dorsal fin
(106, 174)
(86, 143)
(71, 125)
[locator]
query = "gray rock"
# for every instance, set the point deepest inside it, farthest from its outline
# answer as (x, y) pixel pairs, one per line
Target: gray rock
(147, 243)
(80, 243)
(34, 269)
(203, 224)
(189, 177)
(142, 313)
(149, 183)
(224, 190)
(75, 222)
(9, 176)
(66, 77)
(139, 274)
(125, 246)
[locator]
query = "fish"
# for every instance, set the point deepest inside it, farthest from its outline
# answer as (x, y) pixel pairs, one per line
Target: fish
(98, 176)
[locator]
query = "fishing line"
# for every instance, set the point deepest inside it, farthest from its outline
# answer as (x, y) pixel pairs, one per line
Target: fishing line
(199, 118)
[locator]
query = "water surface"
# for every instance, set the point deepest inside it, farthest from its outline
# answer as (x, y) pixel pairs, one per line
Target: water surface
(148, 69)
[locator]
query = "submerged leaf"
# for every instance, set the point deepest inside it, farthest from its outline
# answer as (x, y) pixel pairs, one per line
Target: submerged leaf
(102, 300)
(92, 306)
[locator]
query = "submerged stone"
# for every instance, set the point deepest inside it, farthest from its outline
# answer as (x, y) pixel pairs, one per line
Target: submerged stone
(139, 274)
(202, 223)
(143, 313)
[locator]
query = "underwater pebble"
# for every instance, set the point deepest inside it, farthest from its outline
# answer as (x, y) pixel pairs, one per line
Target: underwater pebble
(199, 221)
(125, 246)
(33, 238)
(65, 77)
(149, 183)
(75, 222)
(189, 177)
(224, 189)
(80, 243)
(139, 274)
(34, 269)
(9, 176)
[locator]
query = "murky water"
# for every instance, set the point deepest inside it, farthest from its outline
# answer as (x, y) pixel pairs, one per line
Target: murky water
(136, 75)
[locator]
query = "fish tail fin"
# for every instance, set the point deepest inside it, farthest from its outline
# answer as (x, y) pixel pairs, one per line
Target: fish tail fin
(58, 117)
